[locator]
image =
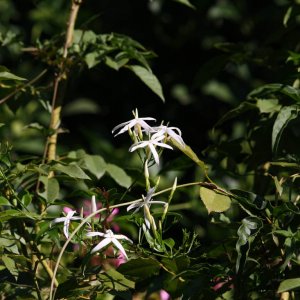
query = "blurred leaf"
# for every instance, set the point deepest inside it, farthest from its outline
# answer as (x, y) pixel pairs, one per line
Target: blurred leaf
(81, 106)
(285, 115)
(249, 199)
(71, 170)
(140, 268)
(268, 105)
(288, 284)
(12, 213)
(119, 175)
(116, 281)
(51, 188)
(95, 164)
(6, 75)
(4, 201)
(268, 89)
(149, 79)
(214, 202)
(186, 2)
(246, 233)
(218, 90)
(10, 265)
(287, 16)
(236, 112)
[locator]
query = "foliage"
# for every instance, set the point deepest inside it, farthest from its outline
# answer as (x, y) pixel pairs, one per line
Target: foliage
(218, 224)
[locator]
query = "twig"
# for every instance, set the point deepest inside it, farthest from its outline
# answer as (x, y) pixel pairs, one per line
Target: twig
(23, 86)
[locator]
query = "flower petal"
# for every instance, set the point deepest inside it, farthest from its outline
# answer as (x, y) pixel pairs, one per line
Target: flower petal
(101, 245)
(120, 247)
(154, 153)
(94, 233)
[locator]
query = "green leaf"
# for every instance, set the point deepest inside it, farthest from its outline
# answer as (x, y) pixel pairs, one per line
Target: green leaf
(92, 59)
(186, 2)
(287, 15)
(12, 213)
(51, 188)
(10, 265)
(116, 281)
(95, 164)
(285, 115)
(249, 199)
(140, 268)
(272, 88)
(6, 75)
(71, 170)
(214, 201)
(288, 284)
(246, 233)
(4, 201)
(118, 175)
(149, 79)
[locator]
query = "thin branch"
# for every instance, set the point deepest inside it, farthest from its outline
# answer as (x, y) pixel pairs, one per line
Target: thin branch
(23, 86)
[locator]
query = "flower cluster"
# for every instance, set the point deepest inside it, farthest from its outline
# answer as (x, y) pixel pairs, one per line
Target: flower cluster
(157, 136)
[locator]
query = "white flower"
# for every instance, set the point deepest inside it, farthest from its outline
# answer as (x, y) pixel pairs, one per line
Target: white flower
(109, 238)
(67, 219)
(154, 141)
(173, 132)
(134, 123)
(147, 201)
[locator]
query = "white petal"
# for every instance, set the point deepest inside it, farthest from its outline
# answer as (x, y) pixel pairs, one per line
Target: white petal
(122, 237)
(120, 125)
(134, 205)
(154, 152)
(120, 247)
(66, 228)
(94, 233)
(176, 137)
(101, 245)
(93, 204)
(158, 202)
(162, 145)
(138, 145)
(58, 220)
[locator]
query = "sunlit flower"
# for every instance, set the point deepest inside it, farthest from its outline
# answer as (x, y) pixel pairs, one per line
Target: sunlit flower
(172, 132)
(109, 238)
(136, 122)
(67, 219)
(146, 201)
(154, 141)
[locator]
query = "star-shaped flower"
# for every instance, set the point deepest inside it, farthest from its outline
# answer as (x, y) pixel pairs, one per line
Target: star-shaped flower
(151, 143)
(146, 201)
(134, 123)
(172, 132)
(109, 238)
(67, 219)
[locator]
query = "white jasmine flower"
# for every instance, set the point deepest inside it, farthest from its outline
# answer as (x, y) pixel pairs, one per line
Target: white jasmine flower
(134, 123)
(147, 201)
(67, 219)
(173, 132)
(109, 238)
(154, 141)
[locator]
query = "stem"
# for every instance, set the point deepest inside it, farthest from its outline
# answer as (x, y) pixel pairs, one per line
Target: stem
(57, 101)
(51, 296)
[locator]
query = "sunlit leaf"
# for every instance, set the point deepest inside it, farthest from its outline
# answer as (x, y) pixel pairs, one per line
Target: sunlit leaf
(6, 75)
(213, 201)
(50, 188)
(186, 2)
(149, 79)
(288, 284)
(116, 281)
(10, 265)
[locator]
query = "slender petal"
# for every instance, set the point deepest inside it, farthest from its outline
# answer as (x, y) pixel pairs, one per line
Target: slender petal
(95, 233)
(120, 247)
(101, 245)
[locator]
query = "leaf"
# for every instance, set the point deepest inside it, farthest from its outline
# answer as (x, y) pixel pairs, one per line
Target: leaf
(51, 188)
(285, 115)
(4, 201)
(71, 170)
(140, 268)
(6, 75)
(186, 2)
(12, 213)
(246, 233)
(288, 284)
(149, 79)
(214, 201)
(119, 175)
(95, 164)
(116, 281)
(10, 265)
(268, 89)
(249, 199)
(287, 16)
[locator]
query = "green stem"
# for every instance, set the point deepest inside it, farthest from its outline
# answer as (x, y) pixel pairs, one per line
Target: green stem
(51, 296)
